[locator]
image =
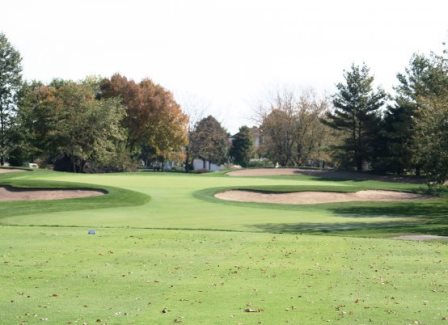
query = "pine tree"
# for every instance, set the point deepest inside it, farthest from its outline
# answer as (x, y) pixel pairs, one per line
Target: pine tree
(356, 106)
(425, 77)
(431, 134)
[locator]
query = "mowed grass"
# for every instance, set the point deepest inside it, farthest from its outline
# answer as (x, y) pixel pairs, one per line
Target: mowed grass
(167, 252)
(178, 201)
(130, 276)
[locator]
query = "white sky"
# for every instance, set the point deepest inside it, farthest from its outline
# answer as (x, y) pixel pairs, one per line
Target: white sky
(223, 56)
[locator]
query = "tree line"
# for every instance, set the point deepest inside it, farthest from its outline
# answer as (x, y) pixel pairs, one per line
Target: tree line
(96, 124)
(111, 124)
(363, 128)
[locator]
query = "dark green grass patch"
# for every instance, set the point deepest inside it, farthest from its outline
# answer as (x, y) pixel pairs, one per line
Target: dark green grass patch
(114, 197)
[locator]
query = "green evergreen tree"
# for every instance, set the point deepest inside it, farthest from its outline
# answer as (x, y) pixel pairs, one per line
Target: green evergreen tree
(356, 113)
(241, 149)
(10, 82)
(431, 134)
(425, 77)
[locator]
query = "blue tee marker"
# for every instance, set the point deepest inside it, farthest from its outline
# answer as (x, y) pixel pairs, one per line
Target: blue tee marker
(92, 232)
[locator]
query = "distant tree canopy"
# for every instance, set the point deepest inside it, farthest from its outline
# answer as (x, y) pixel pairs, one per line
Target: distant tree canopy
(209, 141)
(96, 125)
(63, 123)
(358, 131)
(426, 77)
(10, 82)
(153, 121)
(242, 147)
(429, 94)
(110, 124)
(431, 138)
(291, 130)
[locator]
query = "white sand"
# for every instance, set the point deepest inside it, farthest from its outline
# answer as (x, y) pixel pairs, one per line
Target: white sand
(10, 170)
(316, 197)
(421, 237)
(264, 172)
(15, 194)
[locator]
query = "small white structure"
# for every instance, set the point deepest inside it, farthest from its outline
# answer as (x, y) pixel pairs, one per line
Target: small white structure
(202, 164)
(33, 165)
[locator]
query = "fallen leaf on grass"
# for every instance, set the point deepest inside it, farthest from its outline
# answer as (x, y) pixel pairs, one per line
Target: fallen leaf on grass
(252, 310)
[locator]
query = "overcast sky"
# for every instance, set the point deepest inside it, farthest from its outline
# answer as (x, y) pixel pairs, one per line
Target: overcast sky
(222, 56)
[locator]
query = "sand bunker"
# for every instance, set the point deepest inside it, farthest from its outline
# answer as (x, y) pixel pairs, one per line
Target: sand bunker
(8, 193)
(323, 173)
(316, 197)
(265, 172)
(10, 170)
(421, 237)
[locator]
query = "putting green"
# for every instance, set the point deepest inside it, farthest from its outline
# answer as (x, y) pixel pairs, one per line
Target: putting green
(166, 251)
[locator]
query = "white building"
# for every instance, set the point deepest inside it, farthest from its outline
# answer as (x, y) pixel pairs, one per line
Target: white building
(202, 164)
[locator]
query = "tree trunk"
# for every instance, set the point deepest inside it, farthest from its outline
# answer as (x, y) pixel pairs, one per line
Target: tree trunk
(355, 144)
(359, 164)
(187, 159)
(2, 140)
(82, 166)
(360, 158)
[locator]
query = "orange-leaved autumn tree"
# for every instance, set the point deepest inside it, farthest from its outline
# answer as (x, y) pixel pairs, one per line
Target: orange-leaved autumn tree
(154, 120)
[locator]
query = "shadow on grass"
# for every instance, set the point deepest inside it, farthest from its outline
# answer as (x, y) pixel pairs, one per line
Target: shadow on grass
(415, 218)
(340, 175)
(357, 229)
(435, 211)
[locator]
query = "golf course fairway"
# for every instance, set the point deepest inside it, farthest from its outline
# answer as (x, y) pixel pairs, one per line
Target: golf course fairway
(166, 251)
